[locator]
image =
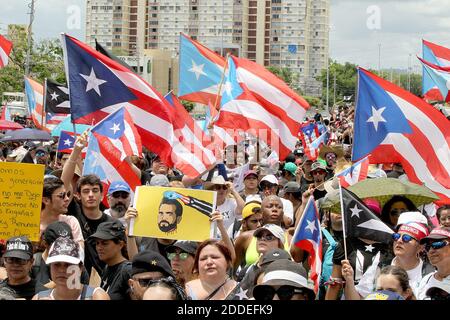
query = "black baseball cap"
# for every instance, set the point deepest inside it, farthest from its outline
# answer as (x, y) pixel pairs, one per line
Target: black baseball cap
(187, 246)
(148, 261)
(110, 230)
(273, 255)
(55, 230)
(19, 247)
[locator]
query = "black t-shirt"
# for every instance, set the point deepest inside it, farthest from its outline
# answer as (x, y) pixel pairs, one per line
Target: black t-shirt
(304, 184)
(115, 280)
(153, 244)
(358, 250)
(26, 290)
(319, 194)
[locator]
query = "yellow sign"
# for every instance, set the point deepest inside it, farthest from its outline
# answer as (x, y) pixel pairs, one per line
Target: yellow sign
(20, 199)
(173, 213)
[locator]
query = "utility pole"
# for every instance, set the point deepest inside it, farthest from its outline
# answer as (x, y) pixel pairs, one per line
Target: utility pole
(328, 84)
(334, 89)
(29, 37)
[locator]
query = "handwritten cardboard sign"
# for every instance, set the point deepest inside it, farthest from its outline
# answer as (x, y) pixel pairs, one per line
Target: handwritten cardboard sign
(173, 213)
(20, 199)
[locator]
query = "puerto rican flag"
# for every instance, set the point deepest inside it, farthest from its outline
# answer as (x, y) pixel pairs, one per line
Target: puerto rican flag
(437, 55)
(394, 125)
(98, 86)
(35, 97)
(308, 237)
(258, 102)
(110, 142)
(201, 71)
(66, 142)
(357, 172)
(5, 50)
(440, 76)
(308, 133)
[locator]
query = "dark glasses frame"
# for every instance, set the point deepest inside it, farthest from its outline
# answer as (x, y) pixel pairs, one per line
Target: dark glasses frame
(436, 245)
(285, 292)
(405, 237)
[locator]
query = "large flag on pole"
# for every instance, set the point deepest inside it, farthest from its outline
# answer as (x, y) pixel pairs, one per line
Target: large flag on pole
(308, 237)
(255, 99)
(5, 50)
(360, 221)
(201, 71)
(394, 125)
(99, 86)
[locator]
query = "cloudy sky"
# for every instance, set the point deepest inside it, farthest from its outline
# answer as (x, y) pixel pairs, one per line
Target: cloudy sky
(357, 26)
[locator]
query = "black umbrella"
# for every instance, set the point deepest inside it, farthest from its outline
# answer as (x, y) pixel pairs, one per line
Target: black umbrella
(26, 134)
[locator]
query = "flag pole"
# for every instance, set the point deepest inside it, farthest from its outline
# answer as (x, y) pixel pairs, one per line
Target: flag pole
(43, 104)
(343, 221)
(222, 80)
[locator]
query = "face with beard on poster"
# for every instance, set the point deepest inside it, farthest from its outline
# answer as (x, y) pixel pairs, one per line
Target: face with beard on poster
(169, 215)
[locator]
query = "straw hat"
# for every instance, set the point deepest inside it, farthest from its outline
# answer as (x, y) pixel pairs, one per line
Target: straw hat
(337, 149)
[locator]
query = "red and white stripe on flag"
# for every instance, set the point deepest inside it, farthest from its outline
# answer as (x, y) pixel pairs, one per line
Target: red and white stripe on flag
(357, 172)
(36, 105)
(267, 104)
(5, 50)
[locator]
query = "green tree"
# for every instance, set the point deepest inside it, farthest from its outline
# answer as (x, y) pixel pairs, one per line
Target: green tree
(288, 76)
(346, 78)
(188, 105)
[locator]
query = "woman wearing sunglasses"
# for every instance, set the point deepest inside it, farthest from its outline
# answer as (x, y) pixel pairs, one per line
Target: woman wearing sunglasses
(438, 252)
(394, 208)
(407, 248)
(181, 256)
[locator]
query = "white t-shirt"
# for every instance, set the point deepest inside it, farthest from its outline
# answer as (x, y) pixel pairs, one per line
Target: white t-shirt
(414, 275)
(228, 210)
(288, 209)
(429, 281)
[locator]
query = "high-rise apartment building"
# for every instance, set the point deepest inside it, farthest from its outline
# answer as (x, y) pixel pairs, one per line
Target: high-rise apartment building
(282, 33)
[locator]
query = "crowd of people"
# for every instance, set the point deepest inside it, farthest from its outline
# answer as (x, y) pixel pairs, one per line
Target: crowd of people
(87, 253)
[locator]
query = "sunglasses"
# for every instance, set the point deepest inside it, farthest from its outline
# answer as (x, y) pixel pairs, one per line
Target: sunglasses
(145, 282)
(17, 261)
(435, 245)
(40, 154)
(266, 237)
(63, 195)
(405, 237)
(318, 172)
(120, 194)
(181, 255)
(267, 186)
(220, 187)
(267, 293)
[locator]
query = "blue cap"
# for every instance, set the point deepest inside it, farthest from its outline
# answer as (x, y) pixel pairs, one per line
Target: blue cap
(119, 186)
(384, 295)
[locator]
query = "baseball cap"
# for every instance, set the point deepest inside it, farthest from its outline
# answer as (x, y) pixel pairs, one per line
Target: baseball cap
(273, 229)
(384, 295)
(159, 180)
(66, 250)
(373, 205)
(148, 261)
(437, 234)
(299, 151)
(118, 186)
(274, 255)
(412, 216)
(41, 150)
(19, 247)
(291, 167)
(318, 165)
(250, 209)
(55, 230)
(285, 272)
(291, 186)
(110, 230)
(269, 178)
(417, 230)
(250, 173)
(187, 246)
(443, 285)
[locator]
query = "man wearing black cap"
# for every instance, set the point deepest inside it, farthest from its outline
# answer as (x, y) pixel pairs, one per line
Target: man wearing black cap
(110, 243)
(146, 267)
(18, 260)
(181, 255)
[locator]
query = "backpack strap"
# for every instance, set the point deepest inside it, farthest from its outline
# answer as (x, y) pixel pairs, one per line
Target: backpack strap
(329, 237)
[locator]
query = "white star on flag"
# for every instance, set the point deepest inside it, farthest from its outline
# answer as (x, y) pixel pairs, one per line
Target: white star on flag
(197, 69)
(115, 127)
(93, 82)
(311, 226)
(355, 211)
(242, 294)
(227, 88)
(369, 248)
(376, 117)
(67, 142)
(54, 96)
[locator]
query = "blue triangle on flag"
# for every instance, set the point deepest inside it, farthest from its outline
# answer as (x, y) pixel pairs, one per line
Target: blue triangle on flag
(376, 116)
(93, 86)
(112, 126)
